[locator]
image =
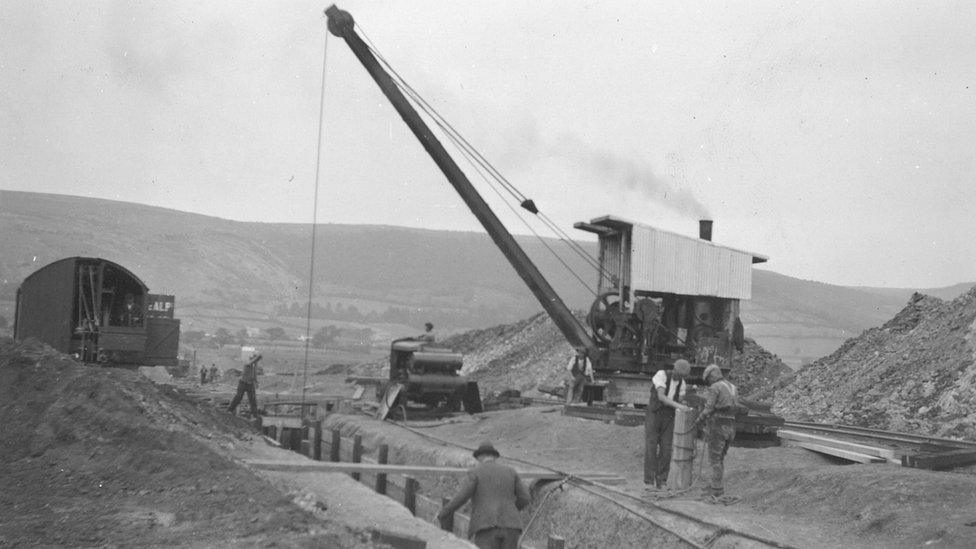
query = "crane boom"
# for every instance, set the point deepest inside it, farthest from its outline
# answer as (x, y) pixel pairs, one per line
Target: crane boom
(341, 24)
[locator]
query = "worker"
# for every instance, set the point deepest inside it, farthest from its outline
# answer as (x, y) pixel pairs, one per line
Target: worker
(248, 384)
(203, 373)
(667, 394)
(428, 336)
(581, 368)
(721, 406)
(213, 373)
(497, 496)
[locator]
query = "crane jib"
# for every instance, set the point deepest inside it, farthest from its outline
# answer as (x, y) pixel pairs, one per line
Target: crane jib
(341, 24)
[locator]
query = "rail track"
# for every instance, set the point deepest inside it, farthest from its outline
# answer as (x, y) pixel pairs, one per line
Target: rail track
(689, 529)
(878, 434)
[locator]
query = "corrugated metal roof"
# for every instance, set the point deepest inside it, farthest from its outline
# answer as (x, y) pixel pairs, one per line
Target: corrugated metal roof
(663, 261)
(616, 222)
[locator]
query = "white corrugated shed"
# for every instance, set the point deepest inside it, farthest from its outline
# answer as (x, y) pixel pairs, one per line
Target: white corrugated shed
(663, 261)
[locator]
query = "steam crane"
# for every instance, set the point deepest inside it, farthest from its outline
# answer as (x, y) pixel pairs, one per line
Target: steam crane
(661, 296)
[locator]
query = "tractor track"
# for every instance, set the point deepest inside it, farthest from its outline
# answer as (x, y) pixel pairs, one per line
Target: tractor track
(690, 530)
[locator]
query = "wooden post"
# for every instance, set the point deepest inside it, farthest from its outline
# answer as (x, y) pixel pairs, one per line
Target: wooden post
(555, 542)
(315, 440)
(410, 486)
(357, 453)
(382, 457)
(447, 523)
(681, 475)
(334, 454)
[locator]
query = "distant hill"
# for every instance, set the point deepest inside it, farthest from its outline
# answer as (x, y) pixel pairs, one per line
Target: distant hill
(235, 274)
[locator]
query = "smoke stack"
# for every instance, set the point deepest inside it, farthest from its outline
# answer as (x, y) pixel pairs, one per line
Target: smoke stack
(705, 229)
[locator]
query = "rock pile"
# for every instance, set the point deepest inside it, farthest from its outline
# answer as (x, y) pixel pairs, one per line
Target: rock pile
(916, 373)
(533, 353)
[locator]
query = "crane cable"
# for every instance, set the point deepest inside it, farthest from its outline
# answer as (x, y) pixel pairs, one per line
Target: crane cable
(315, 219)
(477, 159)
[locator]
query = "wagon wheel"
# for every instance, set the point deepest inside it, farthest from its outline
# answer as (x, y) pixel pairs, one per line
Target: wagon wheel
(604, 315)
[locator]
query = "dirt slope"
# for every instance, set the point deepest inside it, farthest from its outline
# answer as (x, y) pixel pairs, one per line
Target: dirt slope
(916, 373)
(533, 353)
(93, 456)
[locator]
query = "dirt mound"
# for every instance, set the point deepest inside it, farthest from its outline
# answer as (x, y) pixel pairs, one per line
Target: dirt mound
(534, 353)
(96, 456)
(916, 373)
(756, 369)
(519, 356)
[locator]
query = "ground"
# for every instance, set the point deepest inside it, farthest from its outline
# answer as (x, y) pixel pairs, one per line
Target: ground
(787, 494)
(95, 456)
(106, 457)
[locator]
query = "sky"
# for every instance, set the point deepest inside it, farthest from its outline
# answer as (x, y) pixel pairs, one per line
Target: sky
(837, 138)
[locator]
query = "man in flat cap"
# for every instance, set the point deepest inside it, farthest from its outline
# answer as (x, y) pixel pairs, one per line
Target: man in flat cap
(497, 495)
(721, 406)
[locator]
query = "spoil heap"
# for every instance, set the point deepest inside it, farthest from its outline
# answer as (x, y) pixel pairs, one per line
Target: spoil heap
(102, 456)
(533, 353)
(917, 373)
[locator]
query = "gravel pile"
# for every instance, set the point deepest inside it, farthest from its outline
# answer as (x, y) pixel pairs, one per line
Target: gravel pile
(916, 373)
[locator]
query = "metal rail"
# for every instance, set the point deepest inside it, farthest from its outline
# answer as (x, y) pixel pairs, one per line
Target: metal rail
(637, 506)
(877, 434)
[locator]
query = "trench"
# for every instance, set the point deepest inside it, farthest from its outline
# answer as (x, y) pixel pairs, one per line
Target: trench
(583, 513)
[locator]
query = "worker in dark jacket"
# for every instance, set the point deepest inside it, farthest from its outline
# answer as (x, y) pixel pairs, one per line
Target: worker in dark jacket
(721, 405)
(248, 384)
(497, 495)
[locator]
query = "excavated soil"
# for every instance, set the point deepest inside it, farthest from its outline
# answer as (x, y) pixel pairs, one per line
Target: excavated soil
(916, 373)
(789, 495)
(104, 457)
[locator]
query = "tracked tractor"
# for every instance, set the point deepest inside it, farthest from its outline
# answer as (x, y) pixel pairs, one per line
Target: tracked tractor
(427, 377)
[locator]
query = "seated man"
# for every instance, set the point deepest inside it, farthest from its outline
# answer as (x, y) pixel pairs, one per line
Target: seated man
(428, 336)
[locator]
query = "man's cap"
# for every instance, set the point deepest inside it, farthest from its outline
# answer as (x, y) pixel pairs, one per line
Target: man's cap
(712, 370)
(428, 325)
(682, 367)
(486, 448)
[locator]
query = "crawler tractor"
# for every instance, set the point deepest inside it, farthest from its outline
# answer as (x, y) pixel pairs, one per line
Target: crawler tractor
(424, 375)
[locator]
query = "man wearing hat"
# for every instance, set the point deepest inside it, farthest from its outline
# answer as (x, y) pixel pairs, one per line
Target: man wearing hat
(497, 495)
(248, 384)
(667, 392)
(721, 405)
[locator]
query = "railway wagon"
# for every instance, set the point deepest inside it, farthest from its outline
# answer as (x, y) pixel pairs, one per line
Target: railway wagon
(98, 311)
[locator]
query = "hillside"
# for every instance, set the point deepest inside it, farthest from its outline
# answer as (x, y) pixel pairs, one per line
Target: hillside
(234, 274)
(916, 373)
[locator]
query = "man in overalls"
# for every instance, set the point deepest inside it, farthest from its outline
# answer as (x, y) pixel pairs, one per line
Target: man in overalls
(721, 405)
(667, 392)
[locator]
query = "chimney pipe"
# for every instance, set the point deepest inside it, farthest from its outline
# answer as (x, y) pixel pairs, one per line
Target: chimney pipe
(705, 229)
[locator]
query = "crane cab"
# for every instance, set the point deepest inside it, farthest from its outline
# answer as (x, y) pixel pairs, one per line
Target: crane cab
(661, 297)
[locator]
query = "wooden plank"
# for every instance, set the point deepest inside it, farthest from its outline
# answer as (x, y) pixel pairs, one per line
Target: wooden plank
(941, 460)
(397, 540)
(334, 448)
(382, 458)
(838, 452)
(410, 488)
(357, 453)
(555, 542)
(681, 473)
(447, 523)
(878, 451)
(310, 466)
